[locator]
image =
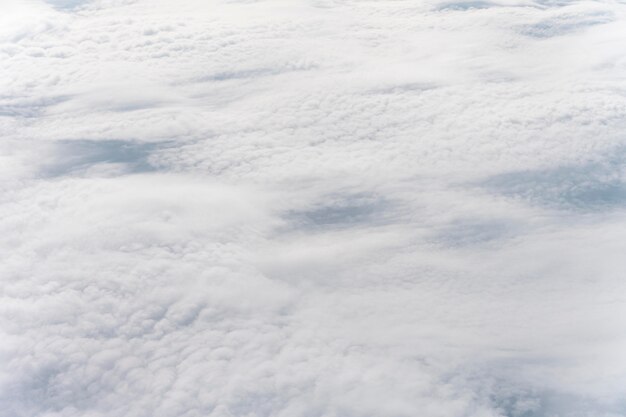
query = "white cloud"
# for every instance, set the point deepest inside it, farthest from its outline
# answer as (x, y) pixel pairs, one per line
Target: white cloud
(312, 208)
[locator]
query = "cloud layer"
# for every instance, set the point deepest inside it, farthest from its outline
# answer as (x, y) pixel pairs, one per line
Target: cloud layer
(312, 208)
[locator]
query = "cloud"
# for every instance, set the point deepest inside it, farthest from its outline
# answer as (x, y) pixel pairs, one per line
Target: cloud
(312, 208)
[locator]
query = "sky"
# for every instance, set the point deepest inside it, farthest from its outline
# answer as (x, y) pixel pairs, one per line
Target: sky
(312, 208)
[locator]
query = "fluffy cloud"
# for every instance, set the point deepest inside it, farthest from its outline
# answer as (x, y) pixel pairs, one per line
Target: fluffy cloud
(312, 208)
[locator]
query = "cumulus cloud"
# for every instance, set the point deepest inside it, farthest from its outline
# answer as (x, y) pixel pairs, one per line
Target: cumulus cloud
(312, 208)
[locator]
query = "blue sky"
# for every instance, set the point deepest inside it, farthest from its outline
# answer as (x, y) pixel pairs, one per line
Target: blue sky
(321, 208)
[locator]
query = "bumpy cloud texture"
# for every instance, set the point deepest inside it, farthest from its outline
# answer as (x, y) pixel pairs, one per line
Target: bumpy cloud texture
(312, 208)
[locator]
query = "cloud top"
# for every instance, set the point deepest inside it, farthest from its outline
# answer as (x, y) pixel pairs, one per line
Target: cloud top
(312, 208)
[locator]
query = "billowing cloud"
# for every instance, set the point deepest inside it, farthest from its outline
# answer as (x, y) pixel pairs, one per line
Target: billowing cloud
(312, 208)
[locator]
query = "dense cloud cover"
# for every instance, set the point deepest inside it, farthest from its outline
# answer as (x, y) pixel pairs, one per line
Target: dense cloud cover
(307, 208)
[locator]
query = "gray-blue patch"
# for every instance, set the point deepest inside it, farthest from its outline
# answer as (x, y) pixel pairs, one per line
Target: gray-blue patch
(564, 26)
(67, 5)
(586, 187)
(341, 211)
(471, 232)
(27, 108)
(77, 155)
(245, 74)
(552, 404)
(465, 5)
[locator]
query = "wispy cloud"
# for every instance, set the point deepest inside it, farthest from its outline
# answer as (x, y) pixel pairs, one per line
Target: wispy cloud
(312, 208)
